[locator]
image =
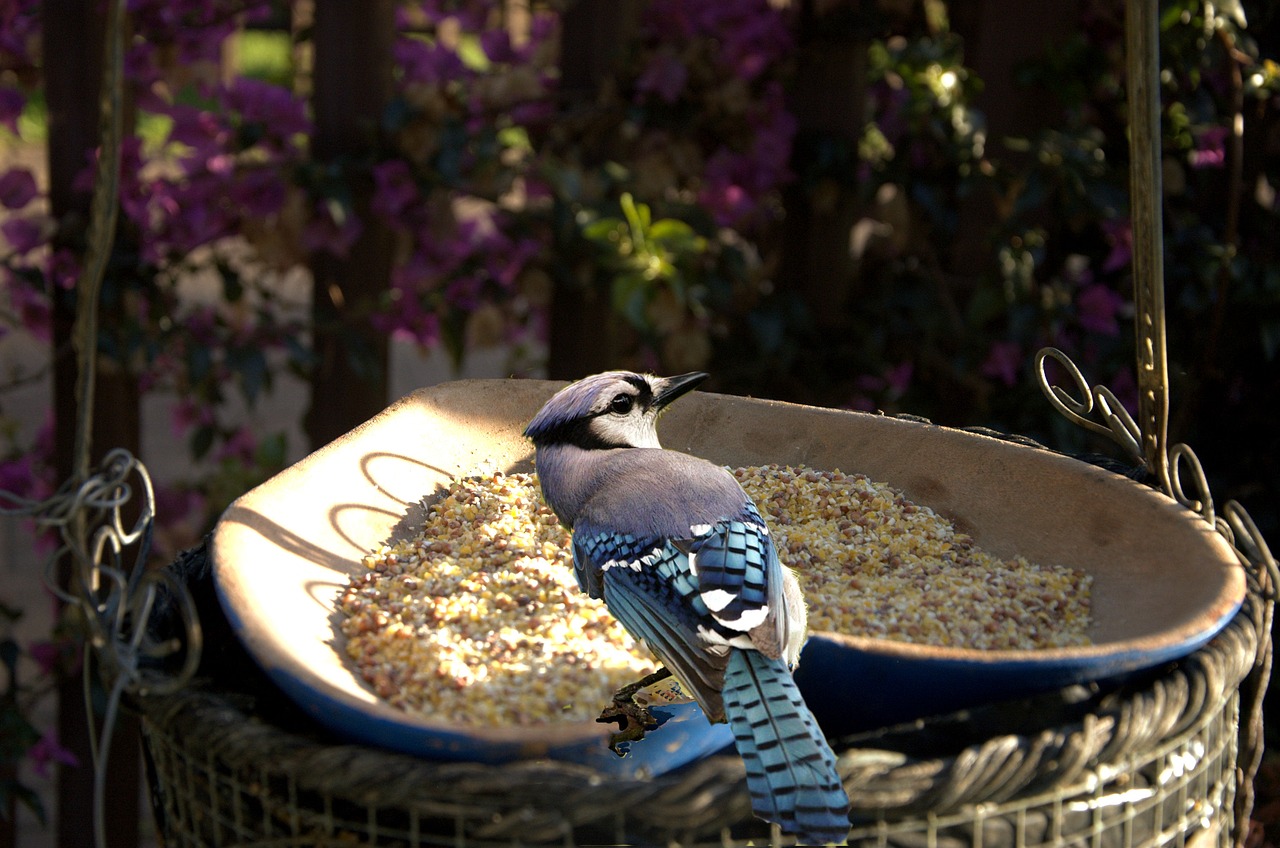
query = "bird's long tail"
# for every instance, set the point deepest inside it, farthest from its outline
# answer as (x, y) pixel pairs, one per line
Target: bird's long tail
(791, 770)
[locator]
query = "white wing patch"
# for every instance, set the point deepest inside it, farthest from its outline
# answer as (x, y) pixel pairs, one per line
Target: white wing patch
(719, 644)
(717, 599)
(749, 620)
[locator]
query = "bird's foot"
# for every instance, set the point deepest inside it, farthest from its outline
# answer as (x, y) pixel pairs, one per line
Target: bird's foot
(633, 719)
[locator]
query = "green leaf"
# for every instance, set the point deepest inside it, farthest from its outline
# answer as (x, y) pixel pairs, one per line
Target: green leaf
(672, 230)
(603, 230)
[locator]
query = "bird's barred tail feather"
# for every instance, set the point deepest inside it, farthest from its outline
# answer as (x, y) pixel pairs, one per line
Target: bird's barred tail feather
(791, 770)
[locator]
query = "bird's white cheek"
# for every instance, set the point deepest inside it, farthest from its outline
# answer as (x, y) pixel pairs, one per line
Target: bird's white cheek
(631, 430)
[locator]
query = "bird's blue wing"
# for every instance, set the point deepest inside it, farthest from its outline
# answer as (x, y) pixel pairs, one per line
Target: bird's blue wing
(740, 578)
(657, 599)
(594, 550)
(689, 599)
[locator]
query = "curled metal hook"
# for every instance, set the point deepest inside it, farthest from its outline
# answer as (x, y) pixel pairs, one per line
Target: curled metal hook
(1119, 424)
(1181, 456)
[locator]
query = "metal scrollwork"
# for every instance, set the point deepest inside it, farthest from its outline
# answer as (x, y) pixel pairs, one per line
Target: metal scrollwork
(1178, 470)
(1119, 425)
(104, 556)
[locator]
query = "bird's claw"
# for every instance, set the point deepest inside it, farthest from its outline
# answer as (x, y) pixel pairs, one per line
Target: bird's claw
(633, 719)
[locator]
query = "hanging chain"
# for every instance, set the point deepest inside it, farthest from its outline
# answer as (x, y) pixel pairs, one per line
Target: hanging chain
(1146, 193)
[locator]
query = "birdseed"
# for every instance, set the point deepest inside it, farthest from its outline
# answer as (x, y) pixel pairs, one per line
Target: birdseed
(478, 618)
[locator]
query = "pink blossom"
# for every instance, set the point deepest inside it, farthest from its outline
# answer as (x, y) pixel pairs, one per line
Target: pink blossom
(1211, 150)
(1096, 309)
(47, 752)
(17, 188)
(1004, 359)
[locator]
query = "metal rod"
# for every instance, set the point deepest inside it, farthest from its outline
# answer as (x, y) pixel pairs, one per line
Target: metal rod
(1142, 61)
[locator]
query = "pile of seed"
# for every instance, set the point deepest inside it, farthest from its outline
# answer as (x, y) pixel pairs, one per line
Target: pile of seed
(872, 563)
(478, 619)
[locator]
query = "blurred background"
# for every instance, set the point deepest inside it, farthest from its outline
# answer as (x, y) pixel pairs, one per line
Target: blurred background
(871, 204)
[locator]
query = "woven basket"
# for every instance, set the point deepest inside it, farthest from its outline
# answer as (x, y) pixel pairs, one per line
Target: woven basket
(1162, 760)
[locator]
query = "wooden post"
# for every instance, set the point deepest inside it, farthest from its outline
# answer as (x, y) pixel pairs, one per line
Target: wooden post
(73, 31)
(828, 97)
(352, 79)
(593, 38)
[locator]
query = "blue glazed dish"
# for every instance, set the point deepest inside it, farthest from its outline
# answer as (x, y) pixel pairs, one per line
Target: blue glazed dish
(1163, 581)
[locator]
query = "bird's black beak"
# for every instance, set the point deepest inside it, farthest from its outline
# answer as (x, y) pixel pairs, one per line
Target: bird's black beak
(669, 388)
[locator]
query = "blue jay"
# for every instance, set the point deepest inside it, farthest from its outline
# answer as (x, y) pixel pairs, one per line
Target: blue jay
(682, 558)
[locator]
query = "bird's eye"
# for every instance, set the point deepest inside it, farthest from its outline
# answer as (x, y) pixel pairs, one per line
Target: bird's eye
(621, 404)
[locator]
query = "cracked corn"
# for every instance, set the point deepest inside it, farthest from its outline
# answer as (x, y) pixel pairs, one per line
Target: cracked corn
(872, 563)
(479, 620)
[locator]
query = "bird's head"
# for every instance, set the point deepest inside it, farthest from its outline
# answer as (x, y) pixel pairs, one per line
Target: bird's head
(616, 409)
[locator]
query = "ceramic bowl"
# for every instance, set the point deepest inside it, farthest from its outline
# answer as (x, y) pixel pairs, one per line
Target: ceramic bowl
(1163, 581)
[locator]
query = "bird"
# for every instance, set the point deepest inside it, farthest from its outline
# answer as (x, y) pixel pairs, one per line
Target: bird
(682, 558)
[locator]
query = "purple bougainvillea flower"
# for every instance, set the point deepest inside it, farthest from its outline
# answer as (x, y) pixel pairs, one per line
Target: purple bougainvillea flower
(281, 113)
(17, 188)
(422, 62)
(394, 191)
(47, 752)
(1097, 307)
(23, 235)
(1211, 148)
(333, 229)
(1003, 361)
